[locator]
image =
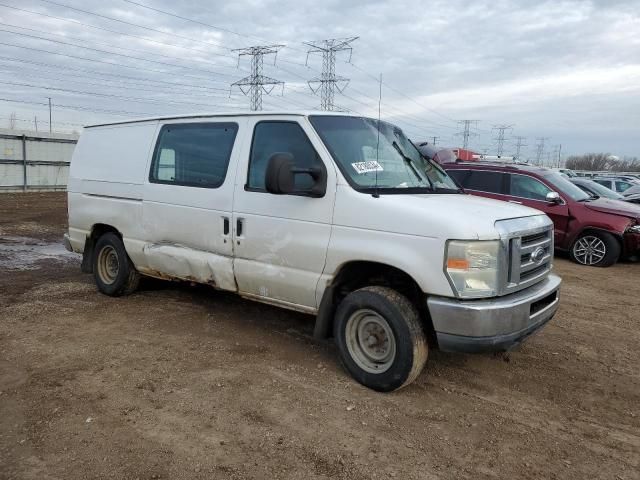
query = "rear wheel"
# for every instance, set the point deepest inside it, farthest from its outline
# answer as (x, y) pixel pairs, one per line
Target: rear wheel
(596, 249)
(380, 338)
(113, 271)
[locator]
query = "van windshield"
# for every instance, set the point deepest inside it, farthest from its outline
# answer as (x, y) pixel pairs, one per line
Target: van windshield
(377, 156)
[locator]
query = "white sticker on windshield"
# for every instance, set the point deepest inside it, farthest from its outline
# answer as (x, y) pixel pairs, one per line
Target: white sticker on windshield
(365, 167)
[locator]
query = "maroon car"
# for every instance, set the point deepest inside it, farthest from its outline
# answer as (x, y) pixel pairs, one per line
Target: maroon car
(595, 231)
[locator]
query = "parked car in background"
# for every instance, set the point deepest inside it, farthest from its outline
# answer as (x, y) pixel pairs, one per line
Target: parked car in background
(617, 184)
(566, 171)
(631, 191)
(598, 190)
(595, 231)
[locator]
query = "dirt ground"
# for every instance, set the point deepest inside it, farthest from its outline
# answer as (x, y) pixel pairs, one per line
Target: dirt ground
(181, 382)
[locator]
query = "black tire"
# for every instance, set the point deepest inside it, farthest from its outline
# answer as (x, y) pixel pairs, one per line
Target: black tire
(595, 249)
(113, 271)
(410, 349)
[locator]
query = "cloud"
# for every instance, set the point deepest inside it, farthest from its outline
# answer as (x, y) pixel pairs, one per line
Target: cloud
(552, 68)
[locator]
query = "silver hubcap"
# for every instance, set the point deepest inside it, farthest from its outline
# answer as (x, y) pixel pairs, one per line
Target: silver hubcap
(589, 250)
(370, 341)
(108, 265)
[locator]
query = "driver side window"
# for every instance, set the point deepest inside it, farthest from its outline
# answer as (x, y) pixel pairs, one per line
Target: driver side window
(528, 187)
(271, 137)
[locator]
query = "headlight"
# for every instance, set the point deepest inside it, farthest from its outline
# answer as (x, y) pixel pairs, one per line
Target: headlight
(472, 267)
(634, 229)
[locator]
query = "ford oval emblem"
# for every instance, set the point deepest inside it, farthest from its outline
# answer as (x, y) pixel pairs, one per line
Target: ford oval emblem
(537, 255)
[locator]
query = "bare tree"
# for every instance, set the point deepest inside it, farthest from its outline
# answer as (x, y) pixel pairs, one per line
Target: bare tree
(603, 161)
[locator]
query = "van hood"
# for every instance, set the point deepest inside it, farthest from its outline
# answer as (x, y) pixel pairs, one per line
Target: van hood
(615, 207)
(453, 216)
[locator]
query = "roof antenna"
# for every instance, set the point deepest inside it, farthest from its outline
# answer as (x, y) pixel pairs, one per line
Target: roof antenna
(376, 193)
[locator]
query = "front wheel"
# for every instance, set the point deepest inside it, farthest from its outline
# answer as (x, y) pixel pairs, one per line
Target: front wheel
(596, 249)
(380, 338)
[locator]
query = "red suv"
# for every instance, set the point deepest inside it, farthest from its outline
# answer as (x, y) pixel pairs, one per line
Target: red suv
(595, 231)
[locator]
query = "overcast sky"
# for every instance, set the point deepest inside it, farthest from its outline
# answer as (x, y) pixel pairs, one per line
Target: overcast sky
(569, 71)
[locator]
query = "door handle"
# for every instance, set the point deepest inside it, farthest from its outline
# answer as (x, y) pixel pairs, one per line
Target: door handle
(225, 226)
(515, 201)
(239, 225)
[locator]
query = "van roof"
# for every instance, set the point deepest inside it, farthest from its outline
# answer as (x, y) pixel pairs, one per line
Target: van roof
(300, 113)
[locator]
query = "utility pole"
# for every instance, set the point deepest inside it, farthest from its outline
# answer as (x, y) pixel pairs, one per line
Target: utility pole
(540, 149)
(466, 132)
(555, 161)
(328, 82)
(35, 122)
(500, 138)
(435, 139)
(519, 144)
(50, 126)
(256, 84)
(559, 153)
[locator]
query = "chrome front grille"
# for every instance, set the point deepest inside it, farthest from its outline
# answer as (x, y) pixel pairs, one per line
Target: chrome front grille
(530, 258)
(528, 251)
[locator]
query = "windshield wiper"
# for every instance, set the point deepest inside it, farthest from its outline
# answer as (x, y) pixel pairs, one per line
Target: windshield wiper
(409, 161)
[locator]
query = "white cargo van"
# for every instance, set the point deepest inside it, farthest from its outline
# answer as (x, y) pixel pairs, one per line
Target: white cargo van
(334, 215)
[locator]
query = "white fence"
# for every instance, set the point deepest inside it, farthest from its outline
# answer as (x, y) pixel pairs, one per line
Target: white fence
(35, 160)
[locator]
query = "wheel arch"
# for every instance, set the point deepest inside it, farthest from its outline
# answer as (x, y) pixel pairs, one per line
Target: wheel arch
(356, 274)
(97, 230)
(587, 229)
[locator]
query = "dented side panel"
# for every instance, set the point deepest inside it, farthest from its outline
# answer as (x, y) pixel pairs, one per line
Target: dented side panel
(179, 262)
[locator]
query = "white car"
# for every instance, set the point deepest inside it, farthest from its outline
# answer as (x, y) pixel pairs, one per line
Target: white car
(333, 215)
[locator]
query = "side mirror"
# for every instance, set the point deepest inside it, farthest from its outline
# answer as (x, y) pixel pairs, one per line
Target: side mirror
(553, 197)
(281, 174)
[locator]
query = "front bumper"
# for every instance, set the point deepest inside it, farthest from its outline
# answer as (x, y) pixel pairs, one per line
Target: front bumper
(631, 244)
(495, 324)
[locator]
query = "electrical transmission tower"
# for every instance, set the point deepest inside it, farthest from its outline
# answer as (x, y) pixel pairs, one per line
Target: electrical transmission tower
(328, 82)
(519, 144)
(500, 138)
(256, 84)
(466, 132)
(540, 149)
(435, 139)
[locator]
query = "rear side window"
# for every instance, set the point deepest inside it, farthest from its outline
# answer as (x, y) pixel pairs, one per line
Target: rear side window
(524, 186)
(621, 186)
(193, 154)
(479, 180)
(280, 137)
(605, 183)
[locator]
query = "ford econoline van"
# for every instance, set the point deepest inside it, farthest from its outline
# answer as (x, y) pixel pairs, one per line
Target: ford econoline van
(333, 215)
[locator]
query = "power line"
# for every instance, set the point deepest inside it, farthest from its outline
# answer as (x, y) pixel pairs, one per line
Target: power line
(215, 44)
(402, 94)
(77, 107)
(198, 22)
(111, 45)
(328, 82)
(131, 57)
(254, 84)
(108, 95)
(146, 39)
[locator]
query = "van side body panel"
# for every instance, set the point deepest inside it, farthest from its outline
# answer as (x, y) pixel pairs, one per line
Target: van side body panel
(184, 226)
(106, 179)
